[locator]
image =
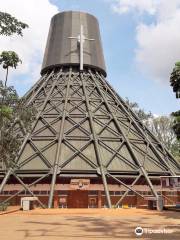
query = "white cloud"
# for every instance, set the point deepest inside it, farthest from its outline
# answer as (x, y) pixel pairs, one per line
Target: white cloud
(125, 6)
(30, 47)
(159, 42)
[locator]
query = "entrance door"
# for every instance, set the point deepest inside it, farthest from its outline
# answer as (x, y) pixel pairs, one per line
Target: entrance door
(77, 199)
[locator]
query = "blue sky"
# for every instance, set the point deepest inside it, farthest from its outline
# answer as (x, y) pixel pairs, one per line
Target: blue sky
(125, 50)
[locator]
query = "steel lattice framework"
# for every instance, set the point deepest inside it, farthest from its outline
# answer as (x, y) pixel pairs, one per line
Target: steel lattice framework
(83, 127)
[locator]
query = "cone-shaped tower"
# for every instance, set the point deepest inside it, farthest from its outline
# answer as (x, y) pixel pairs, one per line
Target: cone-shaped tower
(83, 130)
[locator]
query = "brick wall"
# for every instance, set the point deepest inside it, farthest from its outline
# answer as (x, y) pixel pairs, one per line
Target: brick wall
(82, 199)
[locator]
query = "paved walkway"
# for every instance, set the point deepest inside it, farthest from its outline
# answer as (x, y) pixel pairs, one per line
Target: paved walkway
(101, 224)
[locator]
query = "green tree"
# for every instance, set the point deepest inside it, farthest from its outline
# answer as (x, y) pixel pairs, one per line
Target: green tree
(175, 79)
(176, 125)
(15, 122)
(9, 25)
(175, 83)
(163, 127)
(9, 59)
(15, 117)
(139, 112)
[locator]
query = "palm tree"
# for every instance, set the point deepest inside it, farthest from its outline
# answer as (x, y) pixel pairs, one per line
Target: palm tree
(175, 79)
(9, 59)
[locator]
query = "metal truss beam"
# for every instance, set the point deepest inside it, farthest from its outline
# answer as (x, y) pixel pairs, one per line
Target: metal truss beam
(96, 144)
(12, 170)
(30, 185)
(143, 171)
(5, 179)
(127, 191)
(80, 115)
(139, 129)
(27, 188)
(125, 185)
(41, 87)
(60, 137)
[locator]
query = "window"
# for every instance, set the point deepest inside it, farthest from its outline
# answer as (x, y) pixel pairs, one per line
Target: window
(92, 203)
(117, 193)
(131, 193)
(6, 192)
(111, 193)
(36, 192)
(61, 192)
(93, 193)
(43, 192)
(172, 193)
(23, 193)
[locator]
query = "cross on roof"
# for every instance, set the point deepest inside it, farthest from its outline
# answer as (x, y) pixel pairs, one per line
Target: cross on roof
(81, 38)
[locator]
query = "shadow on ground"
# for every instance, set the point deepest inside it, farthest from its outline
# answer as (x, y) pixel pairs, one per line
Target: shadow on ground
(104, 227)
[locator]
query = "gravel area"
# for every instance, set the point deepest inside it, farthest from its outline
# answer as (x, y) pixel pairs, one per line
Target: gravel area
(53, 224)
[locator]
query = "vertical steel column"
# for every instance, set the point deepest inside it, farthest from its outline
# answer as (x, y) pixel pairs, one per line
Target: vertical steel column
(5, 179)
(126, 139)
(96, 144)
(60, 138)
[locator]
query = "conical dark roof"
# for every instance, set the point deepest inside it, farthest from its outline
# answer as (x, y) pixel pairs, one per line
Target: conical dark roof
(81, 120)
(82, 127)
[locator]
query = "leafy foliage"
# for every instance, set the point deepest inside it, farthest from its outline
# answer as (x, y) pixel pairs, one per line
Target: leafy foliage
(163, 127)
(176, 125)
(9, 59)
(175, 149)
(15, 122)
(9, 25)
(175, 83)
(15, 117)
(139, 112)
(175, 79)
